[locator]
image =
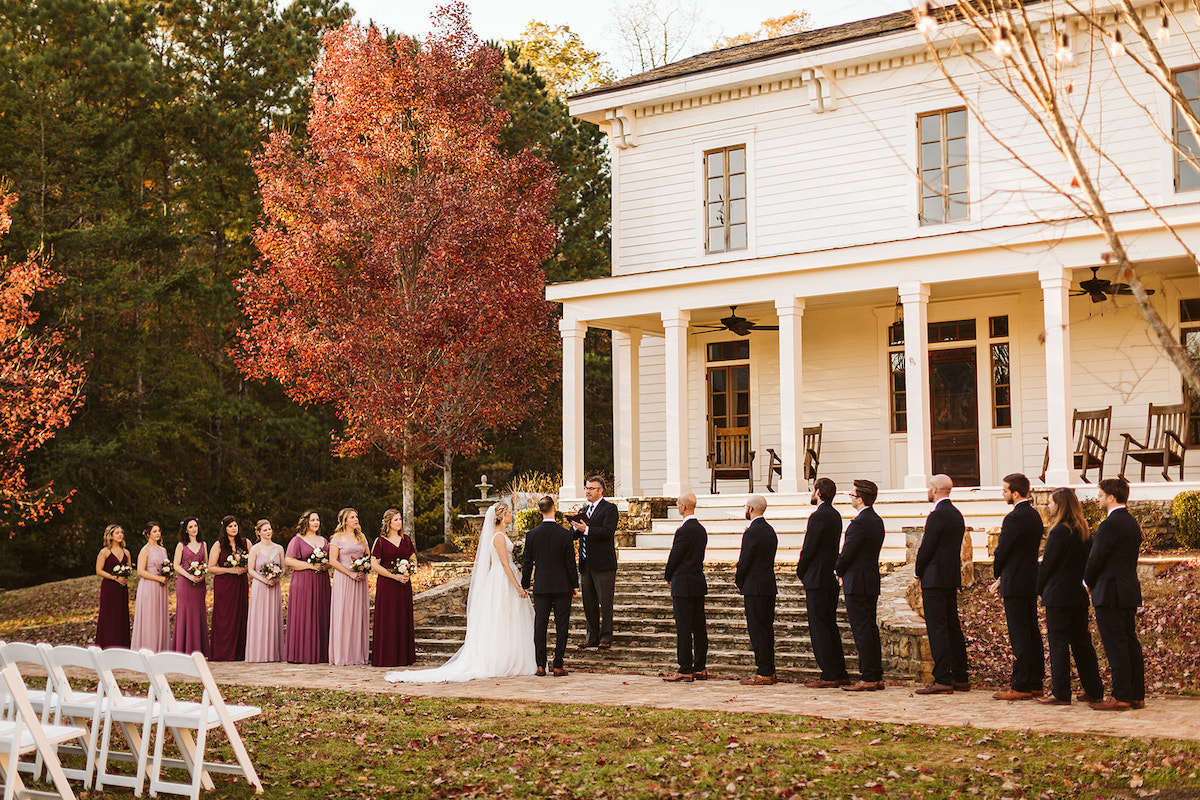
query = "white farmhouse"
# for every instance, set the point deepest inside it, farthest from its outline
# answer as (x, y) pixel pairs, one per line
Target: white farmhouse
(900, 280)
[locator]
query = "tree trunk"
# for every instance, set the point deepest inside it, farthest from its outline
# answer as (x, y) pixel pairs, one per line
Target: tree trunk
(447, 495)
(408, 474)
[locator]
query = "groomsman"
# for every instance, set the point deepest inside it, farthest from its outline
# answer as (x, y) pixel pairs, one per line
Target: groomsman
(597, 564)
(858, 565)
(939, 569)
(815, 571)
(548, 564)
(685, 573)
(755, 579)
(1016, 566)
(1111, 575)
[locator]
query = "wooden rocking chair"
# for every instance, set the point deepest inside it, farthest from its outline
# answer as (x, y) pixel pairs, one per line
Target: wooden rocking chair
(1090, 429)
(731, 458)
(1164, 444)
(812, 458)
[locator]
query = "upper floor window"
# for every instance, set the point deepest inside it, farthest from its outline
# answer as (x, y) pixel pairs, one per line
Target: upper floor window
(1187, 154)
(1189, 337)
(725, 199)
(943, 166)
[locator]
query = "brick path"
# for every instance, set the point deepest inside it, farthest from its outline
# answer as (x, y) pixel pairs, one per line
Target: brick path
(1163, 717)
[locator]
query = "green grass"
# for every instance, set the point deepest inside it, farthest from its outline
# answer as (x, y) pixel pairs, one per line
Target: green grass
(332, 744)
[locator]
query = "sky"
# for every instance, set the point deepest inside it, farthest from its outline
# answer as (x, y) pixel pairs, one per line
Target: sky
(505, 19)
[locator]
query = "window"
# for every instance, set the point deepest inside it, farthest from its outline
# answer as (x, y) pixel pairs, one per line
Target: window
(1001, 374)
(943, 166)
(729, 385)
(725, 200)
(1187, 154)
(1189, 337)
(729, 351)
(955, 330)
(896, 390)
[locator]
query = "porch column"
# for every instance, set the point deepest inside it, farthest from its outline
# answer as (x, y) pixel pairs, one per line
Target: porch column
(626, 422)
(572, 333)
(675, 326)
(1056, 284)
(791, 384)
(915, 297)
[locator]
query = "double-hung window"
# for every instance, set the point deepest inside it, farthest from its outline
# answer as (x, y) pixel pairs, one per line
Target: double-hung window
(725, 199)
(943, 166)
(1187, 153)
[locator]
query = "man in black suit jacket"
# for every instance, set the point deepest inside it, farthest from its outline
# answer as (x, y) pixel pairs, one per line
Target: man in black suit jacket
(858, 565)
(598, 564)
(815, 571)
(939, 569)
(755, 579)
(685, 573)
(549, 564)
(1015, 563)
(1111, 574)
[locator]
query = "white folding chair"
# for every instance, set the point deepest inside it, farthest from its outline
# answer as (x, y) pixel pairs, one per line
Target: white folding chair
(83, 709)
(22, 733)
(23, 656)
(135, 715)
(181, 717)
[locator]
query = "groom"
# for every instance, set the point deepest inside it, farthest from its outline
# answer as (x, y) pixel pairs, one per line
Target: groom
(549, 561)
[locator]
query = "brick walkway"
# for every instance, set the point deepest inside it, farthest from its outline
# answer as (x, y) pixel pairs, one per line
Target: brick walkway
(1163, 717)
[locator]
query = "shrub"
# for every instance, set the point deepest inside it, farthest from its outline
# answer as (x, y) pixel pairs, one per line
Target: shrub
(1187, 519)
(530, 518)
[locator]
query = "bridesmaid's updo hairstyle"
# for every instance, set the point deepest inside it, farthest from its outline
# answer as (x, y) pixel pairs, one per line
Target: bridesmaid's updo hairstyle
(359, 536)
(183, 534)
(239, 542)
(262, 523)
(151, 525)
(108, 534)
(386, 526)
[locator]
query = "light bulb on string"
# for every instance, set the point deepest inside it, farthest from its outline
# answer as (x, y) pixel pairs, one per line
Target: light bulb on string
(1064, 54)
(1164, 30)
(1116, 47)
(926, 24)
(1002, 46)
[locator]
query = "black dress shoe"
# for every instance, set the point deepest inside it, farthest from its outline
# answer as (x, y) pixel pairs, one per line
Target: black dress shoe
(541, 672)
(962, 686)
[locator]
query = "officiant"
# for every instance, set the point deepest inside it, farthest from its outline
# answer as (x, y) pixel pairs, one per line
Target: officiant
(597, 563)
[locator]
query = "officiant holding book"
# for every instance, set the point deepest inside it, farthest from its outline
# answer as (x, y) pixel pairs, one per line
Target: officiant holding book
(596, 531)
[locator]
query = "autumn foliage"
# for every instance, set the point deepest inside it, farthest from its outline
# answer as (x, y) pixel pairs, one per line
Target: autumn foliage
(400, 279)
(39, 384)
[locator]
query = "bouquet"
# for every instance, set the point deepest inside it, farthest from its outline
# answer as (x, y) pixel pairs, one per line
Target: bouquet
(121, 571)
(167, 569)
(318, 558)
(271, 570)
(404, 567)
(197, 569)
(235, 560)
(361, 564)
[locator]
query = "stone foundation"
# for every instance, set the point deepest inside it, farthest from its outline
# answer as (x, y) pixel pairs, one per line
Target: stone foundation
(448, 598)
(902, 630)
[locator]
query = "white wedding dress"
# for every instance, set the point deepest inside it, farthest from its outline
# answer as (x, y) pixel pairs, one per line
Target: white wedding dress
(499, 639)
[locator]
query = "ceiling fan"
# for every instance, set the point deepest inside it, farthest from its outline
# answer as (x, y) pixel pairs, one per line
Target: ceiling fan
(739, 325)
(1099, 289)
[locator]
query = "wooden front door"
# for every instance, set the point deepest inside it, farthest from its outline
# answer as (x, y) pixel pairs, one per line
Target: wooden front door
(728, 398)
(954, 407)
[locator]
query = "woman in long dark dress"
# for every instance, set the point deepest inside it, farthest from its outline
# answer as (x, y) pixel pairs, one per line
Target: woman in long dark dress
(1060, 583)
(112, 623)
(229, 563)
(309, 595)
(191, 590)
(394, 640)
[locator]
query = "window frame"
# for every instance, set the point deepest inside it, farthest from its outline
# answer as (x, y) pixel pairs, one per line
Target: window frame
(1178, 162)
(994, 341)
(727, 200)
(944, 166)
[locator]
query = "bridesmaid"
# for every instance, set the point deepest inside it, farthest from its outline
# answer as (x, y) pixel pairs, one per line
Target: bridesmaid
(191, 613)
(308, 597)
(112, 626)
(394, 643)
(228, 562)
(151, 619)
(264, 631)
(350, 607)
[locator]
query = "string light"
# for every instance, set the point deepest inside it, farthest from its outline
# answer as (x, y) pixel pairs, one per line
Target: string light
(926, 24)
(1064, 54)
(1002, 46)
(1164, 30)
(1116, 48)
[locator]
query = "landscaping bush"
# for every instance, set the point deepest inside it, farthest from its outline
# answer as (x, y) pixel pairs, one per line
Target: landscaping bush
(1187, 519)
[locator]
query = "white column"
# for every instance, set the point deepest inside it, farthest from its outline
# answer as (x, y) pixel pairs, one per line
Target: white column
(572, 408)
(1056, 284)
(915, 297)
(626, 422)
(675, 326)
(791, 389)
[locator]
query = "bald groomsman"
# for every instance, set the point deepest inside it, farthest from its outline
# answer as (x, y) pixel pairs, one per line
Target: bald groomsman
(755, 579)
(685, 573)
(939, 569)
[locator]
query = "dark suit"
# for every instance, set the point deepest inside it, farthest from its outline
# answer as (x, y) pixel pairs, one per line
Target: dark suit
(755, 579)
(1016, 565)
(858, 565)
(1111, 574)
(598, 570)
(815, 571)
(685, 573)
(1060, 583)
(549, 564)
(939, 568)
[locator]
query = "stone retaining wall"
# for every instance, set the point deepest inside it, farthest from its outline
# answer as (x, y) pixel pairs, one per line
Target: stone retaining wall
(448, 598)
(902, 630)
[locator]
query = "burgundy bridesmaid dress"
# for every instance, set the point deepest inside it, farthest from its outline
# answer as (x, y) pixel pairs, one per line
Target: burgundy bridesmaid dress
(231, 607)
(308, 609)
(191, 615)
(112, 626)
(394, 643)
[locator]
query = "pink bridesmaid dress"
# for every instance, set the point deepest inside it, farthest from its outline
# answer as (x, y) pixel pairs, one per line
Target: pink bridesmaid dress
(307, 632)
(191, 611)
(264, 627)
(151, 619)
(348, 623)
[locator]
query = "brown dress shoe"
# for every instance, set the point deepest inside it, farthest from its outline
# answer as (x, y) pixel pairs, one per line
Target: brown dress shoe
(864, 686)
(962, 686)
(821, 683)
(583, 645)
(936, 688)
(604, 645)
(758, 680)
(1111, 704)
(702, 675)
(679, 677)
(541, 672)
(1012, 694)
(1137, 705)
(1051, 700)
(559, 672)
(1084, 697)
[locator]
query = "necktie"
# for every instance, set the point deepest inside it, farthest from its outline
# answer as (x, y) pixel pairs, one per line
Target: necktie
(583, 539)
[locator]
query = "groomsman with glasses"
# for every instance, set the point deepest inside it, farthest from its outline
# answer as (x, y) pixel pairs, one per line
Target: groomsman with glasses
(597, 563)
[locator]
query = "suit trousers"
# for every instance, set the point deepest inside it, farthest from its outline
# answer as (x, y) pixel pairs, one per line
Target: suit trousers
(760, 624)
(946, 641)
(824, 633)
(1066, 634)
(1029, 658)
(598, 589)
(543, 604)
(1118, 634)
(861, 609)
(691, 634)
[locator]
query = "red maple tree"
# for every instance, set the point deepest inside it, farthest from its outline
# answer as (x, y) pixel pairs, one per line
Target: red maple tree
(40, 386)
(400, 279)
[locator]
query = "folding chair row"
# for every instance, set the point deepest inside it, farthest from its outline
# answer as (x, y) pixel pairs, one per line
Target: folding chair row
(138, 717)
(22, 733)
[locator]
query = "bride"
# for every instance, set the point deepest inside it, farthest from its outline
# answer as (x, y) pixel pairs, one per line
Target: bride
(499, 640)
